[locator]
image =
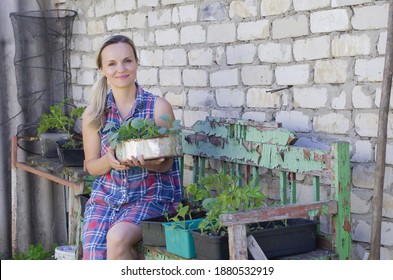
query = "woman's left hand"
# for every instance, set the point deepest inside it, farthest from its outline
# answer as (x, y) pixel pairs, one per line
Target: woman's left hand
(152, 164)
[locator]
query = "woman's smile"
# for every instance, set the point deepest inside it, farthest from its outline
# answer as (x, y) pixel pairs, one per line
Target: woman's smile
(122, 77)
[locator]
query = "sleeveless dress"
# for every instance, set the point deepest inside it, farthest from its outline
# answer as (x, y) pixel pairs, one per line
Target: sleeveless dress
(127, 195)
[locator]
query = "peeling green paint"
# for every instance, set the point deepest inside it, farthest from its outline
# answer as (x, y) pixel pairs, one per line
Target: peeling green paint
(341, 182)
(206, 127)
(313, 213)
(242, 130)
(263, 155)
(324, 210)
(279, 136)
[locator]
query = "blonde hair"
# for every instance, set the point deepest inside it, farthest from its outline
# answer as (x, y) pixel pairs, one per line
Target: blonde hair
(99, 91)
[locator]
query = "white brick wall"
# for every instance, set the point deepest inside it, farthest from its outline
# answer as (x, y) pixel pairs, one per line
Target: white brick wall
(151, 58)
(221, 33)
(330, 20)
(293, 26)
(192, 34)
(369, 70)
(310, 97)
(202, 57)
(377, 17)
(136, 20)
(274, 7)
(310, 49)
(243, 9)
(331, 71)
(257, 75)
(253, 30)
(275, 52)
(175, 57)
(241, 54)
(167, 37)
(294, 120)
(335, 123)
(224, 78)
(230, 98)
(218, 58)
(195, 78)
(293, 75)
(350, 45)
(306, 5)
(257, 97)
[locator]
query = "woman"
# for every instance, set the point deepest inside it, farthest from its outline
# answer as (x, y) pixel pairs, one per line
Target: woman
(123, 194)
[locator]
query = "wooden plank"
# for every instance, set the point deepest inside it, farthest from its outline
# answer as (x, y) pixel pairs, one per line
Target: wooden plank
(279, 213)
(46, 175)
(237, 240)
(292, 179)
(283, 187)
(279, 136)
(316, 188)
(288, 158)
(245, 130)
(14, 199)
(341, 181)
(383, 117)
(73, 217)
(254, 248)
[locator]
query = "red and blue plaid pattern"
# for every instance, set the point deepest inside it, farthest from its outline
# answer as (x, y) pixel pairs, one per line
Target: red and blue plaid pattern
(127, 195)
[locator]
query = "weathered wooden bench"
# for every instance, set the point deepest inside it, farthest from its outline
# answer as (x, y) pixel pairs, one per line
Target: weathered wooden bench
(268, 152)
(250, 149)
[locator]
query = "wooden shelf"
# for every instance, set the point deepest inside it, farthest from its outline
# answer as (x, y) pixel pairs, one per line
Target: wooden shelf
(50, 169)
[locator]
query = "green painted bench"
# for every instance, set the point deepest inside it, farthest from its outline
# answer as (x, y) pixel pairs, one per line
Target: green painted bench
(247, 148)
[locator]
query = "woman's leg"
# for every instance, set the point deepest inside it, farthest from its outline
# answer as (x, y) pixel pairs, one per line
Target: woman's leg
(121, 239)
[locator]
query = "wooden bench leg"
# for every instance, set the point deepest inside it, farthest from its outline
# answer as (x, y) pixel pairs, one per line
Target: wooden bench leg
(237, 239)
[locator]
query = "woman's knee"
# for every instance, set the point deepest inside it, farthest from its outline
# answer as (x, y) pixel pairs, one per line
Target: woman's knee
(124, 234)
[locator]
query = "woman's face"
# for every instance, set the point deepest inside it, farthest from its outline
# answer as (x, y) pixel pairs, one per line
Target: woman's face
(119, 65)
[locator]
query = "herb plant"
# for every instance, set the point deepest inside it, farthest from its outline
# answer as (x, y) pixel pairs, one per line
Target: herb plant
(58, 121)
(138, 128)
(182, 214)
(221, 193)
(36, 252)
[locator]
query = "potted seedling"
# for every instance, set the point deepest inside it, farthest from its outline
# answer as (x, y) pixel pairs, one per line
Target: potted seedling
(153, 232)
(276, 238)
(178, 238)
(69, 145)
(139, 136)
(220, 193)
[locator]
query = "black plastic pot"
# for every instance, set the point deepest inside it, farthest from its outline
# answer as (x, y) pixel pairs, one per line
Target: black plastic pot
(70, 157)
(276, 239)
(210, 247)
(279, 239)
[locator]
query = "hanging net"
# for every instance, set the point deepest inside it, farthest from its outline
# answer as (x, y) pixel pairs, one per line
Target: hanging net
(42, 62)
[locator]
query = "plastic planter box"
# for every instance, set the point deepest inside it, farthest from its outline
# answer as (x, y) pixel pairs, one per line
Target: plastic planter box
(276, 239)
(179, 240)
(153, 232)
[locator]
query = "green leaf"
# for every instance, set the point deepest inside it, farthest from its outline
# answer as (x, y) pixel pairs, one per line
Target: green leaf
(137, 123)
(183, 211)
(209, 203)
(162, 130)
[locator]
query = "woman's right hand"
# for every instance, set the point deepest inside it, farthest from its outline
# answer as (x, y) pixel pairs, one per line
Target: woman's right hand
(113, 162)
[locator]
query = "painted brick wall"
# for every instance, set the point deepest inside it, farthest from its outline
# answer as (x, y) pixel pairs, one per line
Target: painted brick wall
(218, 58)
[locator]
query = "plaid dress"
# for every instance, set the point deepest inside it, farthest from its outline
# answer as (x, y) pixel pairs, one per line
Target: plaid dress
(127, 195)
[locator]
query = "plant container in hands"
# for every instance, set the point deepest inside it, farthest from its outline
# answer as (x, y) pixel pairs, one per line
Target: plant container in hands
(152, 148)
